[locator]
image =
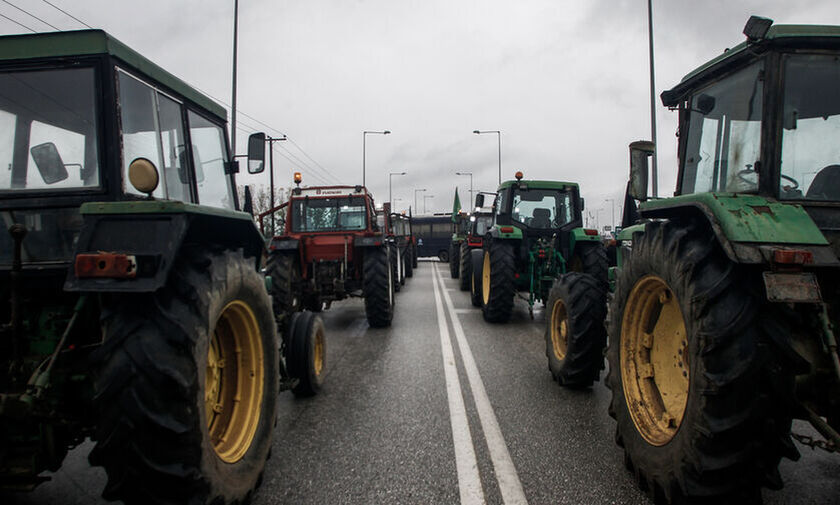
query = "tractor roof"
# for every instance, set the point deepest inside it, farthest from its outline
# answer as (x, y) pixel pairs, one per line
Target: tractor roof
(327, 191)
(777, 36)
(532, 184)
(93, 42)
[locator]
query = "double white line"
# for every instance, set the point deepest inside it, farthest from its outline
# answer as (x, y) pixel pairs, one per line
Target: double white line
(469, 480)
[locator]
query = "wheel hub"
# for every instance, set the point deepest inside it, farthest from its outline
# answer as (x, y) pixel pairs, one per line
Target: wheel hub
(654, 360)
(233, 385)
(485, 278)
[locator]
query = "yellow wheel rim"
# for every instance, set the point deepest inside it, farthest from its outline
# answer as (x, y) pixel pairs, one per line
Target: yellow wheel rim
(654, 360)
(318, 359)
(234, 382)
(559, 330)
(485, 278)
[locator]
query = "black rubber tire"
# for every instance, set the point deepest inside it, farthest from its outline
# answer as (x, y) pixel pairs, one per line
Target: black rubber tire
(149, 381)
(443, 255)
(378, 287)
(585, 301)
(395, 268)
(306, 334)
(735, 426)
(476, 264)
(499, 305)
(465, 274)
(591, 258)
(413, 256)
(401, 265)
(454, 259)
(284, 271)
(407, 259)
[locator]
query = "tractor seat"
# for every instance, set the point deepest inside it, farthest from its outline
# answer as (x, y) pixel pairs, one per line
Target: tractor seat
(542, 219)
(826, 185)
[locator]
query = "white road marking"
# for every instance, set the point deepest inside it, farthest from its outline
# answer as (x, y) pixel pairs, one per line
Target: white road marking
(465, 311)
(469, 480)
(509, 484)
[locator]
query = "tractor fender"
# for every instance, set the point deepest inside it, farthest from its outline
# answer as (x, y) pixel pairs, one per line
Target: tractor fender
(748, 230)
(284, 244)
(153, 234)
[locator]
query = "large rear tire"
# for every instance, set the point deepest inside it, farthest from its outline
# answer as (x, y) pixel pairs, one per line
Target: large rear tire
(476, 263)
(497, 282)
(285, 283)
(306, 358)
(454, 259)
(173, 428)
(414, 256)
(395, 268)
(697, 391)
(408, 260)
(465, 274)
(575, 335)
(378, 287)
(591, 258)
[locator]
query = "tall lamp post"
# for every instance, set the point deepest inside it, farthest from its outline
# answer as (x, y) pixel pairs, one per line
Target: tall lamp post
(471, 187)
(499, 134)
(364, 146)
(612, 200)
(424, 201)
(415, 199)
(390, 177)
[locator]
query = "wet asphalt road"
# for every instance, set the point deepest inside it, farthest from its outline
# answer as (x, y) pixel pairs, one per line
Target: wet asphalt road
(381, 431)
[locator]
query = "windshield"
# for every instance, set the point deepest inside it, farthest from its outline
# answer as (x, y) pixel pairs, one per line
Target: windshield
(724, 135)
(481, 225)
(48, 130)
(328, 214)
(811, 128)
(541, 208)
(51, 235)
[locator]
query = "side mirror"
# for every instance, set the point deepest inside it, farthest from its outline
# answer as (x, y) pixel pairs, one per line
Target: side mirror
(49, 162)
(256, 153)
(705, 104)
(582, 203)
(640, 152)
(479, 200)
(248, 206)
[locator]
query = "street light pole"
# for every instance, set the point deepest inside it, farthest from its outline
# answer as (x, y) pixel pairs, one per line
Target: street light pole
(424, 201)
(415, 199)
(390, 177)
(653, 175)
(364, 148)
(471, 187)
(499, 134)
(612, 222)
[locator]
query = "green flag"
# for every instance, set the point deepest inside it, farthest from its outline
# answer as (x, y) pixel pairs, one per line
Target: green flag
(456, 207)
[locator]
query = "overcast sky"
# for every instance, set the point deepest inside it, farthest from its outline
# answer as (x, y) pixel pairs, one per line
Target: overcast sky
(565, 82)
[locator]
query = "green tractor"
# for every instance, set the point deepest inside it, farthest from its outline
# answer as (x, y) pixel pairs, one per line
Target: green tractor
(536, 238)
(137, 315)
(460, 230)
(722, 325)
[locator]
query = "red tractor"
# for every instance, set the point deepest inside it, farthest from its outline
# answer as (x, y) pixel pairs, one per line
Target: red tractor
(330, 247)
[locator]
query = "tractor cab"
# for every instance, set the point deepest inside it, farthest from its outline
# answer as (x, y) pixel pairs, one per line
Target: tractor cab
(537, 208)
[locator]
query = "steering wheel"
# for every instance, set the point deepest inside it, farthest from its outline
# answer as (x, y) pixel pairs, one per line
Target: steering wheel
(741, 173)
(791, 179)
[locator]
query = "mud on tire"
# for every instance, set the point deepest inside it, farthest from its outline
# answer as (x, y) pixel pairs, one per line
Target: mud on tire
(378, 287)
(734, 428)
(497, 294)
(163, 410)
(575, 335)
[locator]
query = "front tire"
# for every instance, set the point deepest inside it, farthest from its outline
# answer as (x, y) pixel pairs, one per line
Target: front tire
(695, 384)
(465, 274)
(172, 426)
(476, 263)
(307, 355)
(378, 287)
(454, 259)
(497, 282)
(591, 258)
(408, 260)
(285, 283)
(575, 335)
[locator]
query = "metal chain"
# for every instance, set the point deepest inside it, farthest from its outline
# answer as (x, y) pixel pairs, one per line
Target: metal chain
(815, 443)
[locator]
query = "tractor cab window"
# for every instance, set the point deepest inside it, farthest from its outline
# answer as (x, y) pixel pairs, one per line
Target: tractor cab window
(724, 134)
(48, 130)
(541, 208)
(152, 127)
(811, 128)
(209, 152)
(481, 225)
(328, 214)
